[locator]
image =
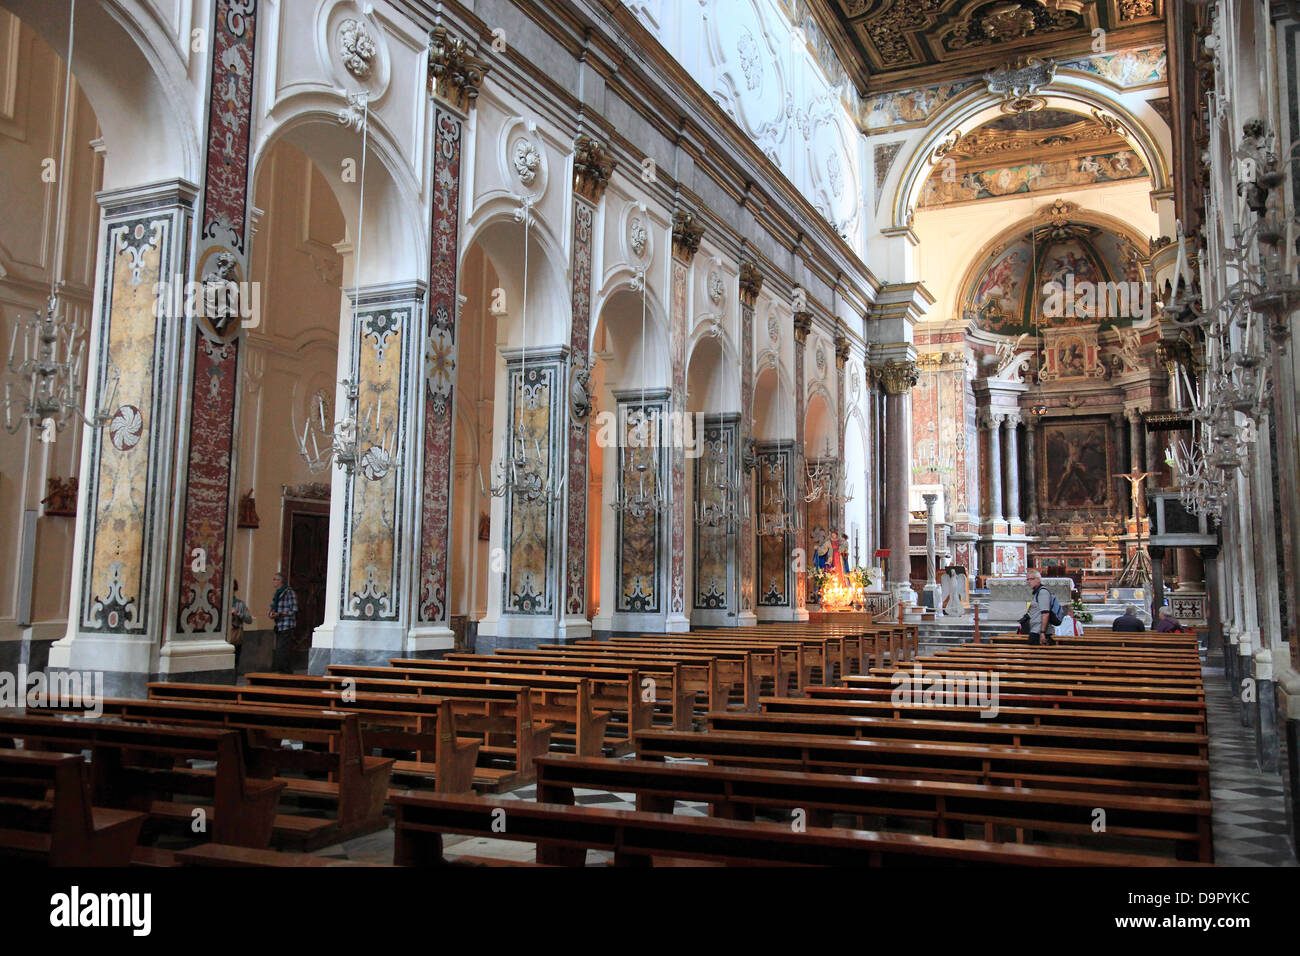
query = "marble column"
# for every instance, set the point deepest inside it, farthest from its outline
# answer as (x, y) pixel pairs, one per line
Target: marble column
(118, 618)
(931, 586)
(591, 171)
(1157, 554)
(214, 355)
(1011, 423)
(368, 602)
(686, 235)
(716, 547)
(841, 361)
(1214, 639)
(992, 422)
(1031, 467)
(802, 326)
(454, 78)
(1118, 429)
(751, 284)
(898, 378)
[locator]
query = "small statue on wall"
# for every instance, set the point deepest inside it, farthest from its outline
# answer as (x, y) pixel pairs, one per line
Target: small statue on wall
(61, 497)
(580, 390)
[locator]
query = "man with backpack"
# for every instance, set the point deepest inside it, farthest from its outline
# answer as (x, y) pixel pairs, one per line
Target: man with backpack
(1044, 610)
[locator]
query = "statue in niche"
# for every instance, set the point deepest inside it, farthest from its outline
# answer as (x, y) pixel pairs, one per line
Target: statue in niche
(580, 390)
(221, 294)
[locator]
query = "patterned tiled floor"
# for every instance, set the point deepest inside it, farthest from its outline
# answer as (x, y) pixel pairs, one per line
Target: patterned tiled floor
(1249, 814)
(1249, 818)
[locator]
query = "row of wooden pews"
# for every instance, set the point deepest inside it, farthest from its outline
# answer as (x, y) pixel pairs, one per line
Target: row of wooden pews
(1096, 755)
(793, 721)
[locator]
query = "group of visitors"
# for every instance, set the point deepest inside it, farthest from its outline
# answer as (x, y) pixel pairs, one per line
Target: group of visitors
(1047, 619)
(283, 611)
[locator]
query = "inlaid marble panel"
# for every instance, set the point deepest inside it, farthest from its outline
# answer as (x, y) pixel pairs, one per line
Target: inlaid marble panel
(715, 473)
(641, 551)
(535, 431)
(119, 571)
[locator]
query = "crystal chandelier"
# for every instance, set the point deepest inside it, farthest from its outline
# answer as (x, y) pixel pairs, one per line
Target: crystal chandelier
(525, 472)
(642, 497)
(776, 515)
(720, 511)
(826, 480)
(44, 388)
(369, 443)
(46, 359)
(1232, 393)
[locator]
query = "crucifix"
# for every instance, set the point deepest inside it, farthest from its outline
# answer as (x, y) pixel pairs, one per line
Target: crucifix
(1137, 570)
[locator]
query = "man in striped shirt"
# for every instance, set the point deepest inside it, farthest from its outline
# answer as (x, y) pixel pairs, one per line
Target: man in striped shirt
(284, 611)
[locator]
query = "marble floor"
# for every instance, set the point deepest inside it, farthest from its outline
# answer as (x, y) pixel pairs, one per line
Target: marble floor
(1249, 814)
(1249, 819)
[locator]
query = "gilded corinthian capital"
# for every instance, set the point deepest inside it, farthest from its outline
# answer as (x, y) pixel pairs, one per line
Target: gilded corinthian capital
(899, 377)
(751, 283)
(686, 235)
(592, 168)
(455, 74)
(802, 326)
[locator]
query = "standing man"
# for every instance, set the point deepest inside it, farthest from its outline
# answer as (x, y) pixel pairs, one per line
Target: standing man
(1040, 609)
(284, 611)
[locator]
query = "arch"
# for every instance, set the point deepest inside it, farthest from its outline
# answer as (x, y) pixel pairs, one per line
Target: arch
(617, 311)
(773, 409)
(819, 428)
(712, 374)
(138, 87)
(1072, 93)
(500, 238)
(394, 219)
(979, 261)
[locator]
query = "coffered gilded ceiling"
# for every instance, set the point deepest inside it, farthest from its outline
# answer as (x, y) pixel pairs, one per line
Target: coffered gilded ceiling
(904, 43)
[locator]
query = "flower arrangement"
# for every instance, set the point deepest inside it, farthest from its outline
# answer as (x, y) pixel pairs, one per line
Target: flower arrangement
(1081, 613)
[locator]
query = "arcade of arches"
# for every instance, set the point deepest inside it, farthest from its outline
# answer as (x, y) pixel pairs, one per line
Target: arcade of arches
(648, 321)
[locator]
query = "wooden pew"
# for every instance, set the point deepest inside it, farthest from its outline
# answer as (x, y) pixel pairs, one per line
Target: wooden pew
(1148, 640)
(822, 653)
(1029, 697)
(985, 731)
(502, 714)
(736, 792)
(839, 700)
(1011, 685)
(563, 835)
(661, 683)
(46, 815)
(1050, 768)
(1029, 671)
(622, 691)
(687, 675)
(357, 782)
(562, 699)
(787, 663)
(132, 765)
(742, 667)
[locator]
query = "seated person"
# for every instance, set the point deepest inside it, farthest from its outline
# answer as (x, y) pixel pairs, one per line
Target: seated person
(1128, 621)
(1167, 624)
